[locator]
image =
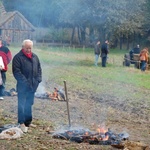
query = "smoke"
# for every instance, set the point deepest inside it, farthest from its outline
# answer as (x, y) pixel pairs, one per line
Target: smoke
(56, 12)
(41, 88)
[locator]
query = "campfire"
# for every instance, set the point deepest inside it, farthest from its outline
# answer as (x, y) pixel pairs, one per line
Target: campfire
(100, 137)
(55, 95)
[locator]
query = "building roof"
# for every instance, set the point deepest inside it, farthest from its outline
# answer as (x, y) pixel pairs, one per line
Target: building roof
(6, 16)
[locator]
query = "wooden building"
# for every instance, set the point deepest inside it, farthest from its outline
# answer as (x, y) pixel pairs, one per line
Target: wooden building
(14, 27)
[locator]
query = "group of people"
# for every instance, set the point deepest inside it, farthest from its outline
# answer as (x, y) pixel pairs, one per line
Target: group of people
(101, 51)
(26, 69)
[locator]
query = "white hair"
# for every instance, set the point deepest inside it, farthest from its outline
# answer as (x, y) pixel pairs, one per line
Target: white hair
(27, 41)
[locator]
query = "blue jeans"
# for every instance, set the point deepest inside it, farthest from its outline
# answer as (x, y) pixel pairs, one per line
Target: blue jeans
(143, 65)
(2, 87)
(96, 59)
(25, 102)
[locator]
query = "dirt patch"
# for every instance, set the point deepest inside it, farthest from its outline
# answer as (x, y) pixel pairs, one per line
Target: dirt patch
(86, 110)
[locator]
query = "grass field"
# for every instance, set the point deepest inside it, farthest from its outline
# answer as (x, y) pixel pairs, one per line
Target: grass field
(124, 91)
(77, 67)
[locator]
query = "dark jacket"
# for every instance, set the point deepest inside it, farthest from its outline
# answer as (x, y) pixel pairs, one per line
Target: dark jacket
(97, 49)
(27, 72)
(104, 50)
(136, 50)
(6, 55)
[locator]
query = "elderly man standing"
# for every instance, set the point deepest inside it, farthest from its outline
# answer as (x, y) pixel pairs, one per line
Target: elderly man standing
(28, 73)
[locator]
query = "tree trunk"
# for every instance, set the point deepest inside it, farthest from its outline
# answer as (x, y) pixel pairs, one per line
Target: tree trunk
(83, 38)
(121, 39)
(101, 35)
(134, 35)
(116, 43)
(79, 36)
(128, 37)
(91, 35)
(72, 36)
(139, 38)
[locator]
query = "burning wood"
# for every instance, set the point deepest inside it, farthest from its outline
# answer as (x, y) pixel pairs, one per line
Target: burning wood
(79, 136)
(55, 95)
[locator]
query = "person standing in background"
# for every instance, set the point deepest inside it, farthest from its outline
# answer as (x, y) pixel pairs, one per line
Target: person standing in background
(104, 52)
(97, 51)
(28, 73)
(135, 50)
(144, 58)
(5, 59)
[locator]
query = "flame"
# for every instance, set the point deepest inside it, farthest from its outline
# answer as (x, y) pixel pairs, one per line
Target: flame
(86, 133)
(102, 132)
